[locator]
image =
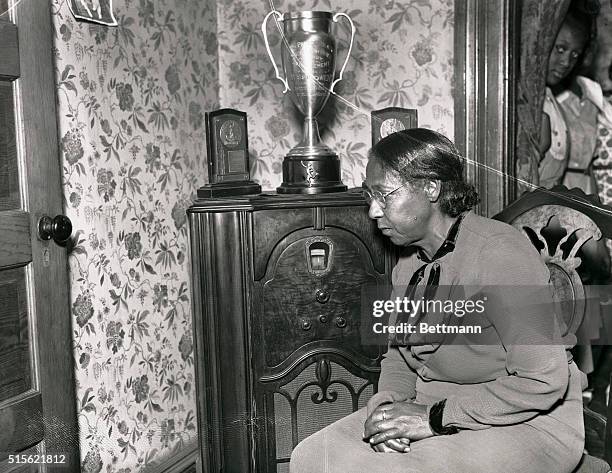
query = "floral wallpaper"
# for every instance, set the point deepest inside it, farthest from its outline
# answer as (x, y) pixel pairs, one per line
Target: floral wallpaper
(402, 57)
(131, 103)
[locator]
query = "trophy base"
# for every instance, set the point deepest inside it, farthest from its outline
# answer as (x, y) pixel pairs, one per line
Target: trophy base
(311, 175)
(228, 189)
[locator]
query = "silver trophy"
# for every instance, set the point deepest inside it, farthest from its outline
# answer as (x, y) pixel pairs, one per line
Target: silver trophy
(308, 53)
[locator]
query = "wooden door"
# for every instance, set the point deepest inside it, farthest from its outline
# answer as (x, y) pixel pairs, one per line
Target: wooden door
(37, 400)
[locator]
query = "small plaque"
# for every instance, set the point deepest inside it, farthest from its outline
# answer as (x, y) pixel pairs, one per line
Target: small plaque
(389, 120)
(227, 145)
(228, 155)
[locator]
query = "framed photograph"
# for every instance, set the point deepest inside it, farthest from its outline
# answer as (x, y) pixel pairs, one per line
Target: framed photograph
(389, 120)
(96, 11)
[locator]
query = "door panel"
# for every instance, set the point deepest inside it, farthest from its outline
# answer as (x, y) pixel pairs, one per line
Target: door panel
(9, 176)
(15, 236)
(23, 428)
(37, 390)
(15, 371)
(9, 53)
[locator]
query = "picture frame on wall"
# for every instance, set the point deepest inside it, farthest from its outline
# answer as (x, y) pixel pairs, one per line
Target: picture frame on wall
(95, 11)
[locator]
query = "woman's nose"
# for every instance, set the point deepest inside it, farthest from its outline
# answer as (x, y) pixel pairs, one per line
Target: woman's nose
(375, 211)
(564, 59)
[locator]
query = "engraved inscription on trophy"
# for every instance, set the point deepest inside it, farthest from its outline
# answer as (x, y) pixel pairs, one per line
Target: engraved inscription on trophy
(308, 56)
(313, 80)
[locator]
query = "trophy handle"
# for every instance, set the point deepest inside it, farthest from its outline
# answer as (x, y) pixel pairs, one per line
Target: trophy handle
(348, 54)
(265, 35)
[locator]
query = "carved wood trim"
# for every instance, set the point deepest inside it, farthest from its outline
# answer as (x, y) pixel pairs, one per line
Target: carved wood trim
(562, 264)
(309, 355)
(582, 218)
(560, 195)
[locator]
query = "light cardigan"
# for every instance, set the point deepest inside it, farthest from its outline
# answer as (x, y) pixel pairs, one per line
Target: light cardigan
(488, 385)
(553, 164)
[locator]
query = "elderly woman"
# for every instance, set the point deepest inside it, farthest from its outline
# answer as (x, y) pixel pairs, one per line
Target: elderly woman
(513, 405)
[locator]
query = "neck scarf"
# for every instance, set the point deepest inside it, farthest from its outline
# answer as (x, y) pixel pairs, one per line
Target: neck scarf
(430, 286)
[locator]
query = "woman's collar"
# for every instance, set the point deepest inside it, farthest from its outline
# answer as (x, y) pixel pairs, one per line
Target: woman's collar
(448, 245)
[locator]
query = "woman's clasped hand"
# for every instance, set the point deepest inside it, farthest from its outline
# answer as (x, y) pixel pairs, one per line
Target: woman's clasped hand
(391, 427)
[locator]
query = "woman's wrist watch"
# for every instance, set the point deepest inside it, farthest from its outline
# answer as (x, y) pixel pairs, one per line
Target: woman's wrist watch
(435, 420)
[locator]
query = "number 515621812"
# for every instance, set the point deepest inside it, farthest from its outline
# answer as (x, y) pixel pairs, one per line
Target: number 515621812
(33, 458)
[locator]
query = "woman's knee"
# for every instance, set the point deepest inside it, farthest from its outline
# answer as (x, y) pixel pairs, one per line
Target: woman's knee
(304, 455)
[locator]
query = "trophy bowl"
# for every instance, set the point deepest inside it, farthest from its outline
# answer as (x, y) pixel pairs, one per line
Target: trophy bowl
(308, 55)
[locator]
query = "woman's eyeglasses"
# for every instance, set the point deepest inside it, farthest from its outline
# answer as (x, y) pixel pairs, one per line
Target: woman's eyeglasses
(380, 198)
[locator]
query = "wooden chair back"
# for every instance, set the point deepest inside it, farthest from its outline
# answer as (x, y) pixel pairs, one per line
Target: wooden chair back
(561, 224)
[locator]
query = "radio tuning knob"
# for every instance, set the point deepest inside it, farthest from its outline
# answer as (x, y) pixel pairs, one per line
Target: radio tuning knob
(322, 296)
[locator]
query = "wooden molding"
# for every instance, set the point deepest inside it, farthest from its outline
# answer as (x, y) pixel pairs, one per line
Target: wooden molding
(221, 303)
(485, 71)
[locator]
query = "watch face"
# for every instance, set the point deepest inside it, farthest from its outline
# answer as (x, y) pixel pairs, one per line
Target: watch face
(230, 133)
(390, 125)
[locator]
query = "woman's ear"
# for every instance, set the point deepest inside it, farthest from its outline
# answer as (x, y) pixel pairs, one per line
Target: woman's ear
(432, 190)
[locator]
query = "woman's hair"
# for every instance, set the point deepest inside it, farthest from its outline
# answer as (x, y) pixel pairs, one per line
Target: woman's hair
(417, 154)
(580, 22)
(581, 18)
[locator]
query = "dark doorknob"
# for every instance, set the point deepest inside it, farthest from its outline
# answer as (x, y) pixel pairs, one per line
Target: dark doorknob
(58, 228)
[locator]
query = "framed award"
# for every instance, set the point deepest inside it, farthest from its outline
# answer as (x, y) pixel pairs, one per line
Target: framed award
(228, 155)
(389, 120)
